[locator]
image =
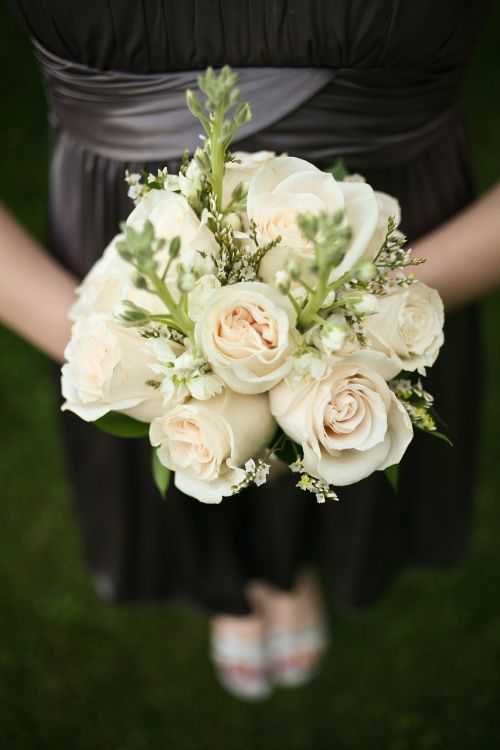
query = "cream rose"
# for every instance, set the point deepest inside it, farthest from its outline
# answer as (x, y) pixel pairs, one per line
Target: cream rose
(207, 442)
(107, 370)
(287, 186)
(242, 171)
(349, 423)
(388, 206)
(248, 334)
(409, 326)
(109, 282)
(172, 216)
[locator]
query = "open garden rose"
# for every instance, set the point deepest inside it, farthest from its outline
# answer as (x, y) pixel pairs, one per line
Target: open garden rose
(206, 443)
(348, 422)
(247, 334)
(106, 370)
(409, 325)
(285, 187)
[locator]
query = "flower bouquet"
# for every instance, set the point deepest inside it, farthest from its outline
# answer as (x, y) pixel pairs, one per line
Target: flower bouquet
(254, 307)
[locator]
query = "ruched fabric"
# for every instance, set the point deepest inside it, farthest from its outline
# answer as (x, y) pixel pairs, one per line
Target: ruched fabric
(386, 94)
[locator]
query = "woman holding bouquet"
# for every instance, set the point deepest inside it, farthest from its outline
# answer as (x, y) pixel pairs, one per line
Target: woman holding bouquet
(379, 87)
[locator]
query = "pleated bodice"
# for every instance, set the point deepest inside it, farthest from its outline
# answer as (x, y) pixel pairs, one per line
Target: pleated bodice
(161, 35)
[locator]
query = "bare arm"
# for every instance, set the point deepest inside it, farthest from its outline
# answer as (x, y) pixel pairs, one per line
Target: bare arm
(35, 292)
(464, 254)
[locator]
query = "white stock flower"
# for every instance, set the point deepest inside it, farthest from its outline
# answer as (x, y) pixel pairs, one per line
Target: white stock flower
(261, 474)
(190, 183)
(349, 423)
(333, 334)
(184, 373)
(409, 326)
(198, 264)
(135, 191)
(242, 171)
(206, 442)
(247, 333)
(307, 365)
(107, 370)
(367, 305)
(287, 186)
(205, 386)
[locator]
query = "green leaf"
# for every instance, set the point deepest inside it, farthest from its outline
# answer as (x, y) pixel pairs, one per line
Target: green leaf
(437, 417)
(174, 247)
(437, 434)
(392, 474)
(338, 170)
(121, 425)
(161, 474)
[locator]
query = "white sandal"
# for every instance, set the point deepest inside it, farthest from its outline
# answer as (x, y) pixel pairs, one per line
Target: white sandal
(240, 666)
(295, 656)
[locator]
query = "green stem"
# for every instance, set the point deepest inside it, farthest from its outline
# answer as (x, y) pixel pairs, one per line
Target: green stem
(319, 319)
(217, 153)
(314, 303)
(167, 268)
(319, 295)
(337, 303)
(340, 282)
(182, 321)
(294, 302)
(170, 322)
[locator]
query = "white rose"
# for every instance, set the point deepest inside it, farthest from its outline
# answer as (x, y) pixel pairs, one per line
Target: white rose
(172, 216)
(349, 423)
(206, 442)
(242, 171)
(107, 370)
(109, 282)
(247, 333)
(287, 186)
(409, 325)
(387, 206)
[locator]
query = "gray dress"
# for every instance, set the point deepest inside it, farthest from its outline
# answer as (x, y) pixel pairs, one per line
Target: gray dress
(390, 107)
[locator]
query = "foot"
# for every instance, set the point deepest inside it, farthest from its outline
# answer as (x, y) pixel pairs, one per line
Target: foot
(238, 653)
(295, 634)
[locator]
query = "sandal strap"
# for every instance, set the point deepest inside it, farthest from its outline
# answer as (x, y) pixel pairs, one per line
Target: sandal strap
(284, 642)
(229, 648)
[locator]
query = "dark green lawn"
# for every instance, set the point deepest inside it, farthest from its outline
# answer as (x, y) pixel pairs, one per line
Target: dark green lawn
(420, 670)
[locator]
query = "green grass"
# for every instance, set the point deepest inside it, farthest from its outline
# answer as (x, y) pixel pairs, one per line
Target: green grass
(417, 671)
